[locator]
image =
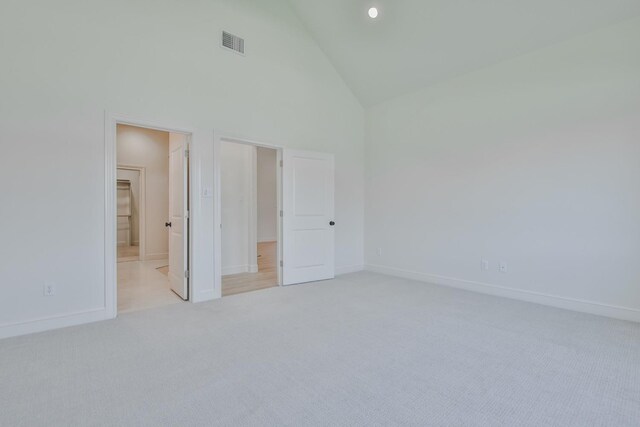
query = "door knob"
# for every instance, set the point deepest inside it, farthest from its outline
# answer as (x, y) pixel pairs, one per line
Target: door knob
(331, 223)
(167, 224)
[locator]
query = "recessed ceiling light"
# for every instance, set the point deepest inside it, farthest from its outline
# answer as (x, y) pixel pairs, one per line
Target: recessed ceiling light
(373, 13)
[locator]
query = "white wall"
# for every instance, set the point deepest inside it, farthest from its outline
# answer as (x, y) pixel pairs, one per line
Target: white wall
(237, 198)
(65, 63)
(150, 149)
(267, 210)
(534, 162)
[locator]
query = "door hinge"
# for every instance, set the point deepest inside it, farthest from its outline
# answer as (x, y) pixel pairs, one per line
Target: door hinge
(281, 214)
(186, 153)
(281, 263)
(188, 215)
(186, 274)
(281, 163)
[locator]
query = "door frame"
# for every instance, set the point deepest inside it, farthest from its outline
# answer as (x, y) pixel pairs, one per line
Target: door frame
(217, 166)
(142, 211)
(112, 121)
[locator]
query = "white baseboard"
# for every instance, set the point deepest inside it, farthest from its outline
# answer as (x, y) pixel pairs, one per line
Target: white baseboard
(46, 324)
(156, 257)
(346, 269)
(616, 312)
(253, 268)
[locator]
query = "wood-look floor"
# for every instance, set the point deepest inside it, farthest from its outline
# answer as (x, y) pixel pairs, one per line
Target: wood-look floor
(266, 277)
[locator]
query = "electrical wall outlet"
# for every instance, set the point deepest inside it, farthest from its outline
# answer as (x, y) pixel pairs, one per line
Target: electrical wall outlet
(379, 251)
(49, 289)
(502, 267)
(484, 265)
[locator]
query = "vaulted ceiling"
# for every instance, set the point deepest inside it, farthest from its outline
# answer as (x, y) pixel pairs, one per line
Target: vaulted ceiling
(415, 43)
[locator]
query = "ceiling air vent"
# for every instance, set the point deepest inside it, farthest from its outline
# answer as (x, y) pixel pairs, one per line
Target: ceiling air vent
(232, 42)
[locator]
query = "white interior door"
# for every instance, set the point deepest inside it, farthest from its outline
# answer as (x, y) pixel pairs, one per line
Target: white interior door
(178, 215)
(308, 217)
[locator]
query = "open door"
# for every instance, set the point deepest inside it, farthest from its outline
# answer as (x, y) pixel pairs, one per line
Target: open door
(178, 215)
(308, 217)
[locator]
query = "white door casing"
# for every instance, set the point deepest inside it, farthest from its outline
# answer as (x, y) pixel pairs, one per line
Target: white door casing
(308, 217)
(178, 215)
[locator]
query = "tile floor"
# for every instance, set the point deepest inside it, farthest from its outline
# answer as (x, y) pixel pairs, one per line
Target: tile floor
(141, 285)
(128, 253)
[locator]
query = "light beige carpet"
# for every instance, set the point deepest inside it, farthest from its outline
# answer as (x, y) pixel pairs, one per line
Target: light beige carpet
(361, 350)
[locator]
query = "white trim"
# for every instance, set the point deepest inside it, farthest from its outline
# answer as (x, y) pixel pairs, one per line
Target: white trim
(111, 122)
(217, 223)
(142, 211)
(278, 238)
(252, 190)
(56, 322)
(228, 137)
(347, 269)
(574, 304)
(110, 220)
(147, 124)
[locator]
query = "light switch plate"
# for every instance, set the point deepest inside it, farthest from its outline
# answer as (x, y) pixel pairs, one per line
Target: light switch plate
(207, 192)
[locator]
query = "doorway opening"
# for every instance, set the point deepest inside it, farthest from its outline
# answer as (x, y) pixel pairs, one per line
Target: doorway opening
(152, 220)
(131, 184)
(249, 181)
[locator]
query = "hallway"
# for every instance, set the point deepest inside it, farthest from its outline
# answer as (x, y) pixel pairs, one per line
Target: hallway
(143, 285)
